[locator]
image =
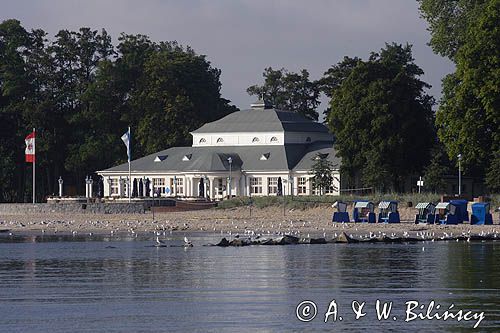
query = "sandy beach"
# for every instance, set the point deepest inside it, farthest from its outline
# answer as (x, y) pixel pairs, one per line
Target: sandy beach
(271, 220)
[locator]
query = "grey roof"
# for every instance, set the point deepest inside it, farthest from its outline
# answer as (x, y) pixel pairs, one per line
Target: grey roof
(262, 120)
(324, 148)
(205, 159)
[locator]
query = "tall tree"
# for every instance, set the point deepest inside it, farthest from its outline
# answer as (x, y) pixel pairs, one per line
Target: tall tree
(468, 118)
(334, 76)
(181, 92)
(289, 91)
(14, 89)
(382, 119)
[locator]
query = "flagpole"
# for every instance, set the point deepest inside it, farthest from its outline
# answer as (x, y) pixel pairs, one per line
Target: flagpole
(34, 159)
(129, 157)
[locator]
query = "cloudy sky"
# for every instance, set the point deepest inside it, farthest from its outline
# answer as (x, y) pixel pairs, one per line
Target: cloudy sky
(242, 37)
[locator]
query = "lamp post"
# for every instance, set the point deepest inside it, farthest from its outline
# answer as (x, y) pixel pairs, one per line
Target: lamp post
(88, 188)
(175, 186)
(230, 160)
(61, 181)
(459, 156)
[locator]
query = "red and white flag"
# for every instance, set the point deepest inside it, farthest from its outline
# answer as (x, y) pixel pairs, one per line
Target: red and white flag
(30, 147)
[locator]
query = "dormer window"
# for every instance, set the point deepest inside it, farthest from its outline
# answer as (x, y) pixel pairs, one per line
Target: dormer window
(321, 156)
(308, 139)
(160, 158)
(202, 140)
(256, 139)
(274, 139)
(220, 140)
(187, 157)
(265, 157)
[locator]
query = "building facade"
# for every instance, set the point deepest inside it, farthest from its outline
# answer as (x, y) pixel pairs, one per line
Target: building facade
(254, 152)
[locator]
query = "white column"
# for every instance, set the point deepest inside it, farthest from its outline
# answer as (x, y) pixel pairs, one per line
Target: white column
(247, 184)
(211, 188)
(236, 190)
(265, 186)
(90, 188)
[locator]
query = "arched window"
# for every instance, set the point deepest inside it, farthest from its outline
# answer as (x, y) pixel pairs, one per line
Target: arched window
(308, 139)
(256, 139)
(274, 139)
(202, 140)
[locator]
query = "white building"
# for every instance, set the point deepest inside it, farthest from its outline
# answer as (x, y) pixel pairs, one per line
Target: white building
(245, 153)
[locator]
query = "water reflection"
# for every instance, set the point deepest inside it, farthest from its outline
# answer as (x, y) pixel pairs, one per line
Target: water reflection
(123, 284)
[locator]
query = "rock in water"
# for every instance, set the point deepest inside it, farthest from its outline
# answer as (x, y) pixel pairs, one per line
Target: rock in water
(317, 241)
(287, 240)
(343, 238)
(223, 242)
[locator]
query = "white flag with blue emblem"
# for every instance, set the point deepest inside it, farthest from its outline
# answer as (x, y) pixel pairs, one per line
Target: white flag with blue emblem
(126, 141)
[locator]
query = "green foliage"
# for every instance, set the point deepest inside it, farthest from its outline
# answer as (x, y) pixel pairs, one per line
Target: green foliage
(437, 169)
(81, 93)
(448, 22)
(289, 91)
(382, 119)
(468, 118)
(334, 76)
(322, 171)
(493, 174)
(306, 202)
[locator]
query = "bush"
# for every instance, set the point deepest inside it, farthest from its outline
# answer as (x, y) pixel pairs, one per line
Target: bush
(304, 202)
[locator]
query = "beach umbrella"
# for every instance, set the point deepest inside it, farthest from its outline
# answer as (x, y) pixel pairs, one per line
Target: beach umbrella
(280, 186)
(141, 188)
(134, 188)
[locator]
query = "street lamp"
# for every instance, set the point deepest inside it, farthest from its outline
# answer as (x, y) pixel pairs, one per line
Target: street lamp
(230, 160)
(61, 181)
(459, 156)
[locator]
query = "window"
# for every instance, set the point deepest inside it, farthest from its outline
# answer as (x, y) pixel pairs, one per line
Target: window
(256, 139)
(160, 158)
(265, 157)
(180, 186)
(274, 139)
(308, 139)
(301, 185)
(220, 140)
(220, 186)
(158, 185)
(113, 186)
(272, 185)
(256, 185)
(202, 140)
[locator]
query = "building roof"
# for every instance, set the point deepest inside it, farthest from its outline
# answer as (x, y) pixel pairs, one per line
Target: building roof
(262, 120)
(324, 149)
(298, 157)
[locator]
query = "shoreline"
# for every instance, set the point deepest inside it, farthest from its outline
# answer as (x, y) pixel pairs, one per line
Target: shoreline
(308, 223)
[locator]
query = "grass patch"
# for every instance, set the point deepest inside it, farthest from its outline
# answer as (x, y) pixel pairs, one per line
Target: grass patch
(304, 202)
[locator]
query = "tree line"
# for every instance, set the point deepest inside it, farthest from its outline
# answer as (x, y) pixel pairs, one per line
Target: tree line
(382, 118)
(81, 92)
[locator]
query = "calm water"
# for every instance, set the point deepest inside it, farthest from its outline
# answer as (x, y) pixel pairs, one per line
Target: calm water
(82, 285)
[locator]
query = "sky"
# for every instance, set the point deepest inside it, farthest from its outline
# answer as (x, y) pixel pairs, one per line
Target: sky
(242, 37)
